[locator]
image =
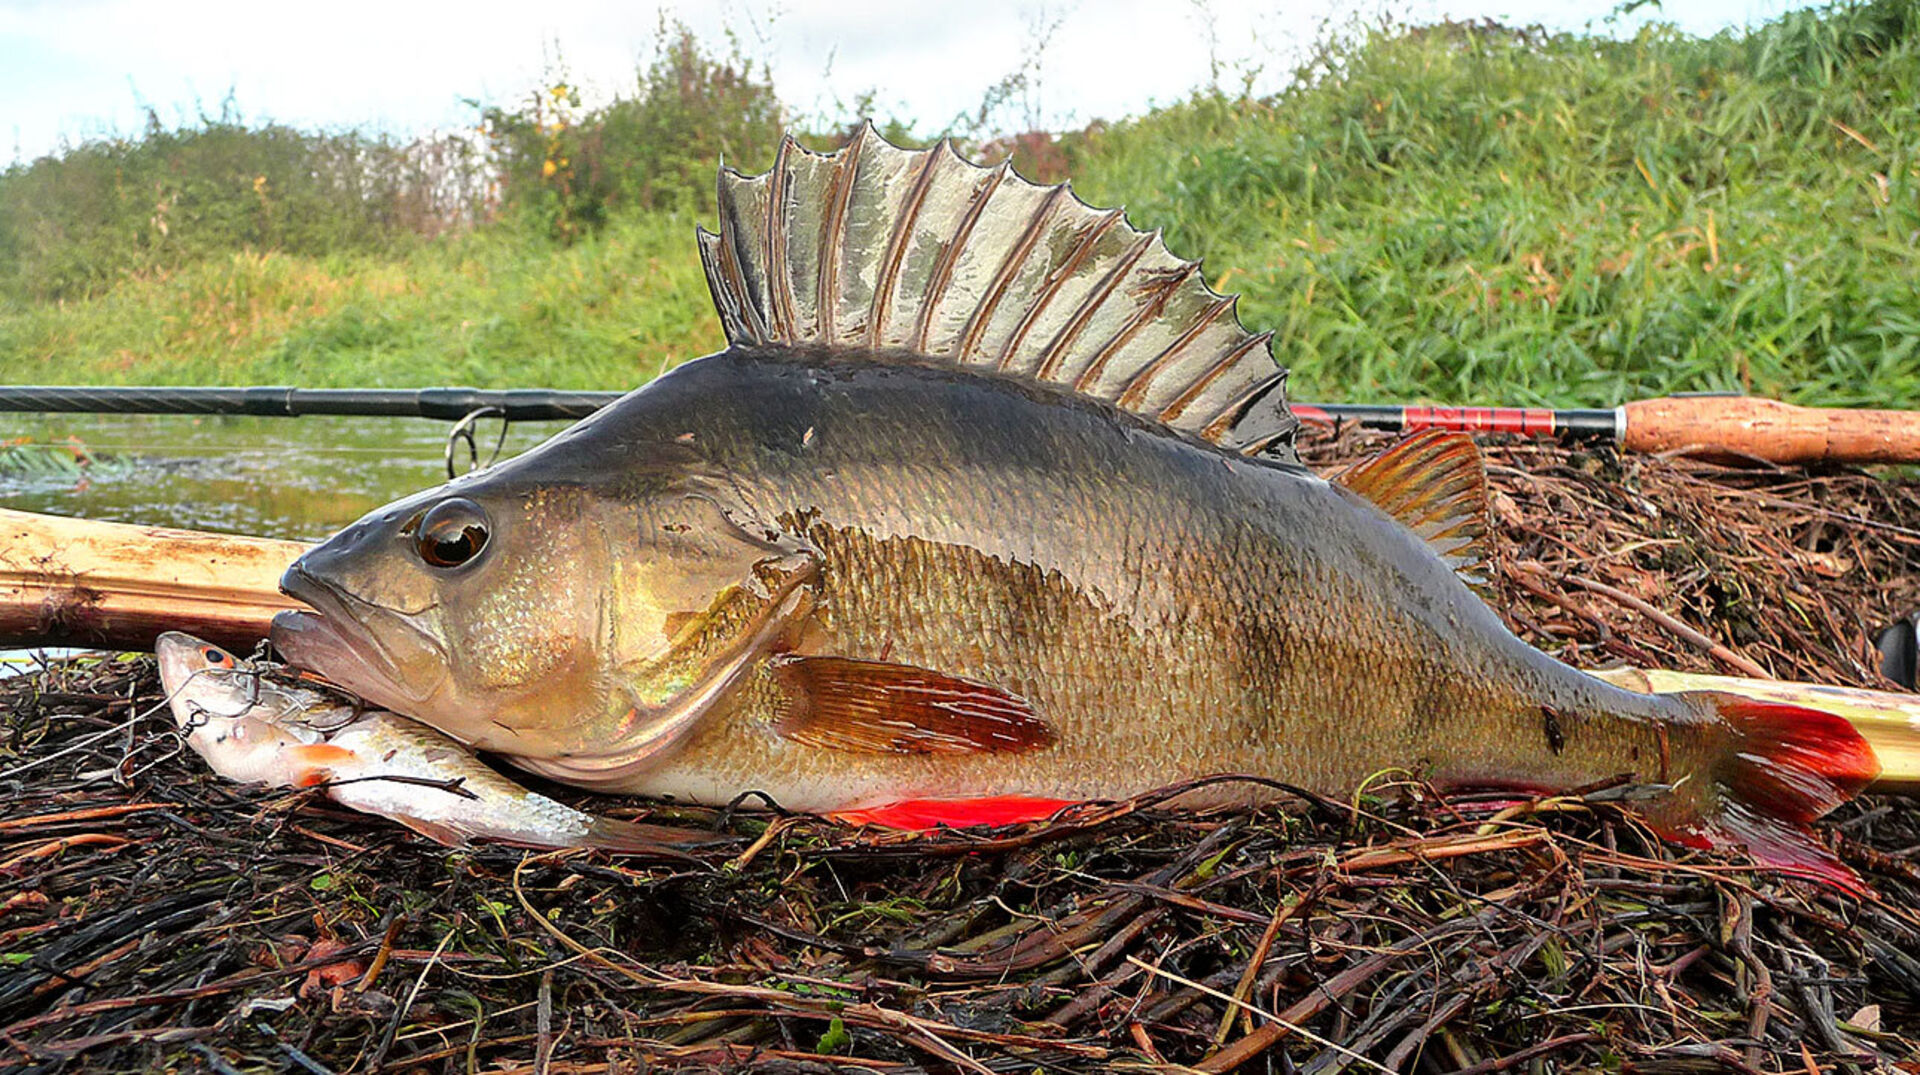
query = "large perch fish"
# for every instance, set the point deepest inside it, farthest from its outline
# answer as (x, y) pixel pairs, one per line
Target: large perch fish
(254, 729)
(992, 505)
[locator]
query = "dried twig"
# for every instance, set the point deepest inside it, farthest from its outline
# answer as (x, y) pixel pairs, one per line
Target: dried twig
(173, 922)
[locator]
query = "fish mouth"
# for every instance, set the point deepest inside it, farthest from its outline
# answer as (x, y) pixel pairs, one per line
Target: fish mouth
(198, 689)
(178, 656)
(337, 642)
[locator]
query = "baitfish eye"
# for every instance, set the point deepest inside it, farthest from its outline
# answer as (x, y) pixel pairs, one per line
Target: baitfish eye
(215, 656)
(451, 533)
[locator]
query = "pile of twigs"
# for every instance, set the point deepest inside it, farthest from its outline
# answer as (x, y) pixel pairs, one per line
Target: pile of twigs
(154, 918)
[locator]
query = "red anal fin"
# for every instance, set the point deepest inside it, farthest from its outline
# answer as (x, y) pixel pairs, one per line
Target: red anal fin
(314, 763)
(874, 707)
(919, 815)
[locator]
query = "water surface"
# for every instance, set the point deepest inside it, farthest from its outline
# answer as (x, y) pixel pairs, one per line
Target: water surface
(298, 478)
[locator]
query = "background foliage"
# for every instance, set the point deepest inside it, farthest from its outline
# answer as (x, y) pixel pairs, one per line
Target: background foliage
(1466, 212)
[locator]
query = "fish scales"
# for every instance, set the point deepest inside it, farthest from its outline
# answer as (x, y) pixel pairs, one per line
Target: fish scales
(1152, 598)
(991, 504)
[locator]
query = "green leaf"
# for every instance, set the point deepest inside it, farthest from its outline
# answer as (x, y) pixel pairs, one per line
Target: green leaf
(835, 1040)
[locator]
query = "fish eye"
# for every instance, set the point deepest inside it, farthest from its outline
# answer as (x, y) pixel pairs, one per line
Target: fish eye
(215, 656)
(451, 533)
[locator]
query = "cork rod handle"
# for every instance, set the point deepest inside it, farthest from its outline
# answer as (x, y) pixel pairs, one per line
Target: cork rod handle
(1770, 430)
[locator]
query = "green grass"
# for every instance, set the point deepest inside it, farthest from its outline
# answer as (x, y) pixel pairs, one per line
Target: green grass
(1478, 217)
(1443, 213)
(490, 308)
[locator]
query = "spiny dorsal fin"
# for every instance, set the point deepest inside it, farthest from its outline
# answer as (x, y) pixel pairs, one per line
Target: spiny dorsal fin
(1435, 484)
(878, 247)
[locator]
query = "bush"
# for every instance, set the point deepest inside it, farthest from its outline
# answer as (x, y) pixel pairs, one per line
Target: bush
(654, 150)
(73, 225)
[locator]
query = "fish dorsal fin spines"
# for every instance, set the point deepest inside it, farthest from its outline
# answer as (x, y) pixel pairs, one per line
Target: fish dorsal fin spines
(1434, 483)
(887, 249)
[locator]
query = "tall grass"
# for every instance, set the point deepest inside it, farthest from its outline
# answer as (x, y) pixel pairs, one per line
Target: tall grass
(1465, 212)
(76, 225)
(1457, 212)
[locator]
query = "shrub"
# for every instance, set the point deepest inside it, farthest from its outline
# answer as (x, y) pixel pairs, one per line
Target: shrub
(73, 225)
(654, 150)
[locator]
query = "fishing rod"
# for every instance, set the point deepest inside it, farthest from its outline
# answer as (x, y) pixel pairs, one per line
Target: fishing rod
(1717, 426)
(542, 404)
(448, 404)
(1726, 426)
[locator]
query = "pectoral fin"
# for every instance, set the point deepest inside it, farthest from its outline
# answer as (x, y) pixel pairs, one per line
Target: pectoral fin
(874, 707)
(444, 835)
(315, 763)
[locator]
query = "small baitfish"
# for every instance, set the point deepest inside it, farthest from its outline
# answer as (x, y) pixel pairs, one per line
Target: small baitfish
(991, 505)
(255, 729)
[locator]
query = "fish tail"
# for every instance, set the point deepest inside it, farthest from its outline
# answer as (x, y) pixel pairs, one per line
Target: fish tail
(1778, 767)
(636, 838)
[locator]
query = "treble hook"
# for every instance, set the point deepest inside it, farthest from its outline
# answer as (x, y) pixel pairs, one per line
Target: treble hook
(463, 430)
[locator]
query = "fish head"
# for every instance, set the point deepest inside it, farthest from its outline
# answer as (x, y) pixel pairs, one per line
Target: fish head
(536, 617)
(467, 599)
(203, 681)
(242, 723)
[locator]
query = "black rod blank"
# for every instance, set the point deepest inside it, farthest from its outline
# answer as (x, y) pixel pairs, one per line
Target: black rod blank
(449, 404)
(547, 404)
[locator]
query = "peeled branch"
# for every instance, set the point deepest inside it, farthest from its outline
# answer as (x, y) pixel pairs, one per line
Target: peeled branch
(78, 582)
(1888, 721)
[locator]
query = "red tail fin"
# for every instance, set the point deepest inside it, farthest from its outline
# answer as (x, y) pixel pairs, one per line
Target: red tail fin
(1791, 762)
(1784, 766)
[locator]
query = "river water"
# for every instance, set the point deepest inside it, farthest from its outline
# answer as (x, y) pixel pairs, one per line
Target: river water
(297, 478)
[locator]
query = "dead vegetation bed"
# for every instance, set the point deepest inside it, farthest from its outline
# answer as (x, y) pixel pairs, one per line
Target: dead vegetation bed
(152, 918)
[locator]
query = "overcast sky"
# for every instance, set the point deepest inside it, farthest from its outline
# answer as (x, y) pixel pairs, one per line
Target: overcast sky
(74, 69)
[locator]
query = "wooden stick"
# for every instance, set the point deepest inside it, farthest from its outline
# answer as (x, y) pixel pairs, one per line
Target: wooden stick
(1678, 628)
(77, 582)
